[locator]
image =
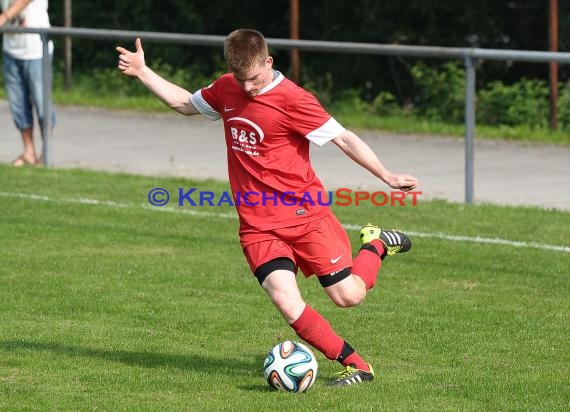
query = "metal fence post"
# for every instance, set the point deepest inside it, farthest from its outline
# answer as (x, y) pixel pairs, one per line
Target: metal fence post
(469, 127)
(46, 125)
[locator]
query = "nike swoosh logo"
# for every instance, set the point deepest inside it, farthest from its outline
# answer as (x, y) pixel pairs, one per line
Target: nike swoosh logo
(333, 261)
(228, 109)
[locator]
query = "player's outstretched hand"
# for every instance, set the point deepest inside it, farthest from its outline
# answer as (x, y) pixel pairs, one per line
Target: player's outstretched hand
(131, 63)
(403, 182)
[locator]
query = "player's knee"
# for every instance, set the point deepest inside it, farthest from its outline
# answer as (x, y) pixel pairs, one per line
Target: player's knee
(346, 293)
(282, 300)
(350, 299)
(289, 304)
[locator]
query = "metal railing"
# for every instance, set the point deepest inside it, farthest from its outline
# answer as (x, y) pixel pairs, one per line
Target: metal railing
(469, 56)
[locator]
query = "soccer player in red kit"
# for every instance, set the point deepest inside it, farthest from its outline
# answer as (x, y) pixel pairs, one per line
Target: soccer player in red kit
(269, 123)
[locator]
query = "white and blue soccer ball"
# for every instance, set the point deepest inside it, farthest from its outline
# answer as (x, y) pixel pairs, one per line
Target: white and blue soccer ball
(290, 366)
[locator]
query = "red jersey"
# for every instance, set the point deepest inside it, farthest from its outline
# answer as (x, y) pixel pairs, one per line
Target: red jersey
(268, 139)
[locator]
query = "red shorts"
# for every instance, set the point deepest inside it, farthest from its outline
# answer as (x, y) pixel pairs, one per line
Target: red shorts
(319, 247)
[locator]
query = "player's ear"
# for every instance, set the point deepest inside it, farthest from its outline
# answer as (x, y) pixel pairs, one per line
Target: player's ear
(269, 61)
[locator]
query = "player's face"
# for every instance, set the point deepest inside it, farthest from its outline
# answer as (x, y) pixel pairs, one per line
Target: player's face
(252, 81)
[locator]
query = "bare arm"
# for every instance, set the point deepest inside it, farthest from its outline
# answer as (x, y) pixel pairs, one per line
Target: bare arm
(175, 97)
(13, 11)
(355, 148)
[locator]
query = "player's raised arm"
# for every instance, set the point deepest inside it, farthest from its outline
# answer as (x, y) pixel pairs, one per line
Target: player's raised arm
(355, 148)
(133, 64)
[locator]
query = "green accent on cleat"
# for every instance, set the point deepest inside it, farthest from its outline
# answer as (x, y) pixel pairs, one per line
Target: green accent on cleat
(394, 241)
(352, 376)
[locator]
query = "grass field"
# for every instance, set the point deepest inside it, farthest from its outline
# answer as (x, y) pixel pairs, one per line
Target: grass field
(108, 304)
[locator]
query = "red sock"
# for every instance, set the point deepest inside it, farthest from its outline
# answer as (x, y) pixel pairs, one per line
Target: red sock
(315, 330)
(357, 361)
(368, 262)
(349, 357)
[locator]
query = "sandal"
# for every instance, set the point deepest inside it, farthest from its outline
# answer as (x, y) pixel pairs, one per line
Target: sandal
(22, 161)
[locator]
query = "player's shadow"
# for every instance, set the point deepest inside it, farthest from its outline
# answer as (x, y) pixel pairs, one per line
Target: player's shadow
(191, 362)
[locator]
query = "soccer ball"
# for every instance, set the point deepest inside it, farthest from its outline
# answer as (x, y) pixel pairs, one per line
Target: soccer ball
(290, 366)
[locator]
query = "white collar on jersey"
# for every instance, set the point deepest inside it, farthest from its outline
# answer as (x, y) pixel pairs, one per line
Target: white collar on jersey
(277, 78)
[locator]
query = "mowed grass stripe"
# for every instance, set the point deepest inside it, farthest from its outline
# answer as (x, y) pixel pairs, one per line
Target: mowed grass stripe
(205, 214)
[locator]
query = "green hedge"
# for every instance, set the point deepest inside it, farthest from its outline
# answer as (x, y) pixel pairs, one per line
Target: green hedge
(439, 95)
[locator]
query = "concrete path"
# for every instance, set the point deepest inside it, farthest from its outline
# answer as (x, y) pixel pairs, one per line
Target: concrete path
(172, 145)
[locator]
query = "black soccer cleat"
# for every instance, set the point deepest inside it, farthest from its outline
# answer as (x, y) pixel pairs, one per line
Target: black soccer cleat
(352, 376)
(394, 241)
